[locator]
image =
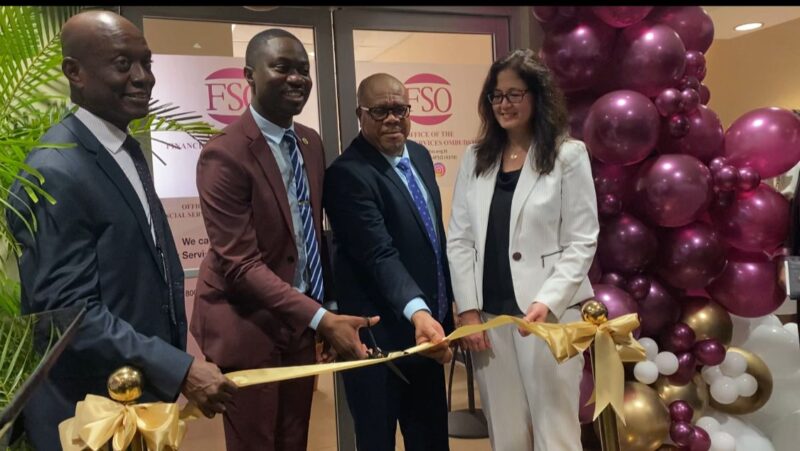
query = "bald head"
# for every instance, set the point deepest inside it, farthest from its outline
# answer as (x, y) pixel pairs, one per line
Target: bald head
(378, 83)
(83, 30)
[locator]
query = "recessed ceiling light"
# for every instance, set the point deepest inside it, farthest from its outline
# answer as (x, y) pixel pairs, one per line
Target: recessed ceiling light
(748, 26)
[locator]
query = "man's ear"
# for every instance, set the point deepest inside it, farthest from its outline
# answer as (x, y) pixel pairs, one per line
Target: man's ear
(248, 76)
(71, 68)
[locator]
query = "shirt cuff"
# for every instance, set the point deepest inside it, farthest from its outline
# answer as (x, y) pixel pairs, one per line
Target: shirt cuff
(317, 318)
(413, 306)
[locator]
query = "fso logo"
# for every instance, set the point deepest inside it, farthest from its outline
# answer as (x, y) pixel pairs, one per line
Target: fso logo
(431, 99)
(228, 94)
(439, 169)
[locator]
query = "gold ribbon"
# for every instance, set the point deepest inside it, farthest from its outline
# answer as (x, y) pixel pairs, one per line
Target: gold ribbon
(99, 419)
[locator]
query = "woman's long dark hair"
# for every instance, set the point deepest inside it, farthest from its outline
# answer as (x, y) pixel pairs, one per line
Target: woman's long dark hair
(549, 120)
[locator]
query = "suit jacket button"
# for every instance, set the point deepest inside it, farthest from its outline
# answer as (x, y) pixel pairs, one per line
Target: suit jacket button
(290, 259)
(516, 256)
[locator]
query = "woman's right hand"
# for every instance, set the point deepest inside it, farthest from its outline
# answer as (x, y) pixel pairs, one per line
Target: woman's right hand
(475, 342)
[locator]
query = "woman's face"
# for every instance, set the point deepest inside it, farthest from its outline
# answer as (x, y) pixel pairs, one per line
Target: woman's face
(515, 108)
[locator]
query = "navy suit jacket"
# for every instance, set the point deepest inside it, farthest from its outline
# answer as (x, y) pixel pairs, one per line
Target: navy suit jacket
(94, 245)
(383, 257)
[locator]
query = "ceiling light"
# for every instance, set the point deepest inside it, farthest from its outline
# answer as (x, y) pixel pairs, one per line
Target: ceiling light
(748, 26)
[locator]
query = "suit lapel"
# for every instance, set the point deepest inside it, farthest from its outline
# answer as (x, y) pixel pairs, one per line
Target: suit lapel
(118, 178)
(527, 181)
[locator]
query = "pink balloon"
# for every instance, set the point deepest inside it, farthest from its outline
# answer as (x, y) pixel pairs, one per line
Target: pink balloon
(700, 440)
(680, 410)
(705, 94)
(716, 164)
(755, 221)
(673, 190)
(668, 102)
(625, 245)
(709, 352)
(681, 432)
(577, 52)
(544, 13)
(613, 178)
(650, 58)
(678, 125)
(691, 256)
(687, 367)
(695, 63)
(726, 178)
(692, 23)
(621, 16)
(578, 107)
(689, 82)
(658, 310)
(690, 99)
(621, 128)
(704, 140)
(613, 278)
(617, 301)
(748, 179)
(748, 289)
(638, 287)
(766, 139)
(609, 205)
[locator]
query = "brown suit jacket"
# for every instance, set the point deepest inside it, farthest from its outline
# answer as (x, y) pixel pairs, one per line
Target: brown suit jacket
(245, 307)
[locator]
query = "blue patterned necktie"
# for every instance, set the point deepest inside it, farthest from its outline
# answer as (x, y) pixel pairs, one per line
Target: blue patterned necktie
(422, 207)
(309, 233)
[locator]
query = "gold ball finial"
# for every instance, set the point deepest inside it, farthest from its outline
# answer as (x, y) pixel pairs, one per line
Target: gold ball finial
(594, 312)
(125, 384)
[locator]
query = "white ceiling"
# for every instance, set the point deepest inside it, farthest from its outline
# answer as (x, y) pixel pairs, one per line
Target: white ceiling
(727, 17)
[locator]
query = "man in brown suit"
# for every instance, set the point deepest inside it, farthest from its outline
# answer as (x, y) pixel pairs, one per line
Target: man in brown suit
(260, 286)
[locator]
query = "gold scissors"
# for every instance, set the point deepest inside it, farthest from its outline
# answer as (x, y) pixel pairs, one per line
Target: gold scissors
(376, 353)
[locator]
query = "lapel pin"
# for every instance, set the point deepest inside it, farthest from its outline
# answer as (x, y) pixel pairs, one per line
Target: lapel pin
(305, 141)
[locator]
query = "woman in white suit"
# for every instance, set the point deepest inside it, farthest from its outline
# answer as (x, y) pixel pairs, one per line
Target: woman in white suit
(522, 235)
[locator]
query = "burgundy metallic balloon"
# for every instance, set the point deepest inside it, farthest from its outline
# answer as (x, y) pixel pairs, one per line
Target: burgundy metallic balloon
(625, 245)
(687, 367)
(695, 64)
(613, 179)
(755, 221)
(724, 199)
(578, 107)
(689, 82)
(690, 99)
(748, 179)
(668, 102)
(700, 440)
(680, 410)
(690, 256)
(609, 205)
(621, 16)
(705, 94)
(650, 57)
(638, 287)
(766, 139)
(544, 13)
(678, 339)
(617, 301)
(621, 128)
(681, 432)
(748, 289)
(595, 271)
(709, 352)
(704, 140)
(673, 190)
(727, 178)
(717, 163)
(658, 310)
(613, 278)
(578, 51)
(678, 125)
(692, 24)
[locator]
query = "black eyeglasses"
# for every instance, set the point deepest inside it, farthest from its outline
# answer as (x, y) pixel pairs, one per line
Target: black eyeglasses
(496, 98)
(380, 113)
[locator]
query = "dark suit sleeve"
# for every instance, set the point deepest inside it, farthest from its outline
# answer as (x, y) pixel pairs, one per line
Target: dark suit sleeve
(361, 234)
(59, 268)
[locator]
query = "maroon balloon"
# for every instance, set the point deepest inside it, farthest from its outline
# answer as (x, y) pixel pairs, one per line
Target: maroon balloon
(681, 432)
(621, 16)
(755, 221)
(625, 244)
(748, 179)
(695, 63)
(717, 163)
(723, 200)
(617, 301)
(700, 440)
(705, 94)
(668, 102)
(678, 339)
(578, 107)
(748, 289)
(658, 310)
(709, 352)
(691, 256)
(578, 51)
(766, 139)
(690, 99)
(687, 368)
(678, 126)
(595, 271)
(613, 278)
(544, 13)
(621, 128)
(638, 287)
(613, 178)
(704, 139)
(727, 178)
(702, 73)
(689, 82)
(673, 190)
(680, 410)
(650, 57)
(609, 205)
(692, 24)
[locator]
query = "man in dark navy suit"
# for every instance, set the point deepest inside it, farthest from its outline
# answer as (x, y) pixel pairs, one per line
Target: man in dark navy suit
(386, 214)
(106, 241)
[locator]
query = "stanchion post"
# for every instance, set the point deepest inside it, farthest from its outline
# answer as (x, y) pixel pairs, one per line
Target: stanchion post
(125, 386)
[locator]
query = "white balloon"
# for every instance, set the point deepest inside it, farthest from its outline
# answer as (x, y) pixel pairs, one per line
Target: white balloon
(787, 432)
(733, 365)
(650, 347)
(776, 345)
(722, 441)
(711, 373)
(724, 390)
(746, 384)
(645, 372)
(753, 442)
(748, 437)
(710, 424)
(667, 363)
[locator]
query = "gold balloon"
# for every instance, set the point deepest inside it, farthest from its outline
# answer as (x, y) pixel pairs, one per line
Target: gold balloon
(594, 312)
(758, 369)
(707, 319)
(695, 393)
(668, 448)
(125, 384)
(647, 419)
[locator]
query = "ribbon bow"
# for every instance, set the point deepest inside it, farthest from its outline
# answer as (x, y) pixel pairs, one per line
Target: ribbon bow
(99, 419)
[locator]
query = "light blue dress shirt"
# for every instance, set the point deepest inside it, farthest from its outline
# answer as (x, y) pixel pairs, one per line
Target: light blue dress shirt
(417, 303)
(273, 133)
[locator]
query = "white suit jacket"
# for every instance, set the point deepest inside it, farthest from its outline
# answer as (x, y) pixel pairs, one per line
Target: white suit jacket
(552, 236)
